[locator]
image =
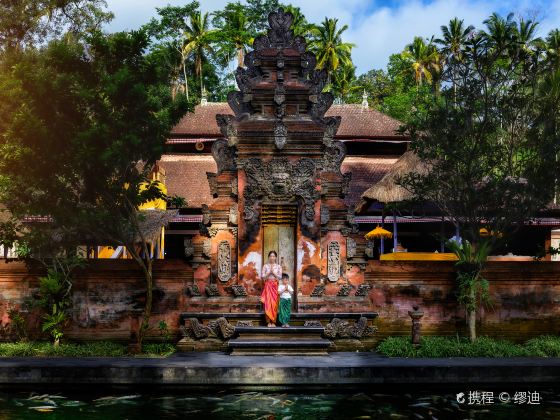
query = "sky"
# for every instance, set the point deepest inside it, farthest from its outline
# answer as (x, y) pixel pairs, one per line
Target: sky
(377, 28)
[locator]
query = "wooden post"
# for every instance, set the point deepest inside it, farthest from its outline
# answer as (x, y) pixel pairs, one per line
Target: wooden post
(394, 231)
(382, 249)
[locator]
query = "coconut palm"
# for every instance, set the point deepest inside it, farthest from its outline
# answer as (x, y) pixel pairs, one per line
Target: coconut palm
(236, 30)
(524, 36)
(500, 33)
(553, 49)
(455, 37)
(424, 60)
(344, 83)
(328, 46)
(300, 26)
(198, 41)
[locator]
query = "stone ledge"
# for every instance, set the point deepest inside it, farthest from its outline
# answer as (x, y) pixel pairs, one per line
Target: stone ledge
(215, 369)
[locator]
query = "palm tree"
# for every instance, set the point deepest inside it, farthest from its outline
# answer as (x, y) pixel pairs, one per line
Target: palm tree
(424, 60)
(455, 37)
(198, 39)
(553, 49)
(524, 35)
(344, 83)
(500, 33)
(236, 30)
(300, 26)
(328, 46)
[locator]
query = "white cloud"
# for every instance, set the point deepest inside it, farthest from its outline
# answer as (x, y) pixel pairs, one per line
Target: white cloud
(378, 29)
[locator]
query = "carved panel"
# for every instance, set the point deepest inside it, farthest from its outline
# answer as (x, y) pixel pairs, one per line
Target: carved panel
(333, 261)
(333, 157)
(344, 290)
(350, 248)
(207, 248)
(280, 135)
(188, 247)
(279, 180)
(325, 215)
(224, 261)
(224, 155)
(233, 214)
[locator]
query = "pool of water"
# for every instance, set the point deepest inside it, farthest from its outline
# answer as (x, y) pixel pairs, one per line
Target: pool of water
(275, 406)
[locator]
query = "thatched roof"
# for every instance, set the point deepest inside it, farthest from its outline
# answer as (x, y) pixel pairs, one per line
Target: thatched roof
(387, 190)
(151, 222)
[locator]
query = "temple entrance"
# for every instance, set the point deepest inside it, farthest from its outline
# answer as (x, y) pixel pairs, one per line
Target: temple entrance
(279, 234)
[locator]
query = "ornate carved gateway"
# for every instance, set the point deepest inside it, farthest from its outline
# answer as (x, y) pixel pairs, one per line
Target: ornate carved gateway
(278, 171)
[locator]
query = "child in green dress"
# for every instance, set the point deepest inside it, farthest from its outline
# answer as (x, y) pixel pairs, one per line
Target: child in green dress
(285, 291)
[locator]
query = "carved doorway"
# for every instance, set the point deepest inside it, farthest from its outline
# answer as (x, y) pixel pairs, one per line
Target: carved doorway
(279, 234)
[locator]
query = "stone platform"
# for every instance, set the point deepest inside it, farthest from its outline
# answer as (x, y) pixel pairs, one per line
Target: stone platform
(310, 333)
(336, 372)
(300, 341)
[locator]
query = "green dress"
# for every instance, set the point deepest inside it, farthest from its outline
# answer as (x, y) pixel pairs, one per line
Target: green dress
(285, 307)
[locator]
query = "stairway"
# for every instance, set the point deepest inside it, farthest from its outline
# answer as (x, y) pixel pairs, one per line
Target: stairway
(258, 341)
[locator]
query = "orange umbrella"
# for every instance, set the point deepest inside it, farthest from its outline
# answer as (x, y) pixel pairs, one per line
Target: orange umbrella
(378, 232)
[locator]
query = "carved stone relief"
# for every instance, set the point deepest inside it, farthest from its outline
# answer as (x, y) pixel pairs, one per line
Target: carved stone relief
(333, 261)
(224, 155)
(206, 218)
(333, 157)
(188, 247)
(279, 180)
(224, 261)
(350, 248)
(280, 135)
(207, 248)
(233, 214)
(325, 215)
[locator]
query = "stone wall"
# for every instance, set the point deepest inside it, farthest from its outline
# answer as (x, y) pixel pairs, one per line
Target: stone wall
(109, 294)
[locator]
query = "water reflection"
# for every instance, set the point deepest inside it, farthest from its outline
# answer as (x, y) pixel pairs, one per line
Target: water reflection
(267, 406)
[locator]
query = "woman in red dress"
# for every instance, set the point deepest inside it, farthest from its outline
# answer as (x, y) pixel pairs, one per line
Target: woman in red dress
(271, 273)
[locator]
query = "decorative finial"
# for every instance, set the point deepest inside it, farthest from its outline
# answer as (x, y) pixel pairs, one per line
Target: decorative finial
(365, 104)
(204, 98)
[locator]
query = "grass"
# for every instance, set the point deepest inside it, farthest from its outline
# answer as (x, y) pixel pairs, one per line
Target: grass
(543, 346)
(91, 349)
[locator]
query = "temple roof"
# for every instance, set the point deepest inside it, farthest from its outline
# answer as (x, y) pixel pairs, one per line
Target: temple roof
(186, 175)
(358, 123)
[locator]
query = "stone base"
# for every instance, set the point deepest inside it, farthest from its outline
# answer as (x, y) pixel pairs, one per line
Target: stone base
(187, 344)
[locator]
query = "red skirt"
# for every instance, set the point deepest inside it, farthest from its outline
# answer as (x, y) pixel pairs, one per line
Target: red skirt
(269, 298)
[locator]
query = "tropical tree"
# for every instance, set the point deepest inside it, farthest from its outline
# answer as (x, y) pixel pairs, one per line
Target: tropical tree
(168, 30)
(27, 22)
(328, 46)
(80, 136)
(552, 48)
(488, 143)
(453, 42)
(300, 25)
(344, 83)
(235, 31)
(424, 60)
(198, 41)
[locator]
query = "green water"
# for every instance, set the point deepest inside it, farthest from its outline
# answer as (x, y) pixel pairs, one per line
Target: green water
(267, 406)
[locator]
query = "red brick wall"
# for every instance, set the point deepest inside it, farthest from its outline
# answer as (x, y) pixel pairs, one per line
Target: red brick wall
(525, 298)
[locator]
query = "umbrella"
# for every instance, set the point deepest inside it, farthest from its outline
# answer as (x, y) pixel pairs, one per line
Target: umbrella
(378, 232)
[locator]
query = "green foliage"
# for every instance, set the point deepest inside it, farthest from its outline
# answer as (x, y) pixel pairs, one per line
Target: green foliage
(545, 346)
(91, 349)
(18, 323)
(327, 44)
(164, 331)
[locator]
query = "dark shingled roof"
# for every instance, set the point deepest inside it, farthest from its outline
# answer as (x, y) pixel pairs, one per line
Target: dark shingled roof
(186, 175)
(357, 122)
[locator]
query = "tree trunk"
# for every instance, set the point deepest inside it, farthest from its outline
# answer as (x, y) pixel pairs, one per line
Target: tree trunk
(471, 317)
(146, 315)
(240, 57)
(186, 81)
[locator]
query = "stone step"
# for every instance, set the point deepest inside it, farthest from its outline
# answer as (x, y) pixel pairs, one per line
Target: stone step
(299, 346)
(280, 333)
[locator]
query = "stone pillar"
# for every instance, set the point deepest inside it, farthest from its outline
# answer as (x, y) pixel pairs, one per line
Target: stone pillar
(416, 315)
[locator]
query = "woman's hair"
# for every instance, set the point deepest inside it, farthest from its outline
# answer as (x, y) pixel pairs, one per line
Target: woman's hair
(272, 252)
